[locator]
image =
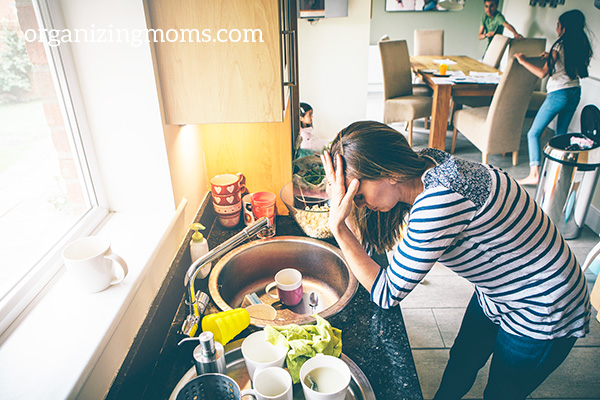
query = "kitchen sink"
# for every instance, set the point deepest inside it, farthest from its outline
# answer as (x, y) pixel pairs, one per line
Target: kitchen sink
(250, 267)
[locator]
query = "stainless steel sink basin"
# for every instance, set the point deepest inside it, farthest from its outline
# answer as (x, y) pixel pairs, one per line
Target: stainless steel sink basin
(250, 267)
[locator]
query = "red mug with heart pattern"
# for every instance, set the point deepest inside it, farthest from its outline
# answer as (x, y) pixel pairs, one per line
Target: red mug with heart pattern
(227, 184)
(228, 199)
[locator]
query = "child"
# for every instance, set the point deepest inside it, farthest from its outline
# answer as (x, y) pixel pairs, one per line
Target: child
(493, 22)
(568, 61)
(311, 144)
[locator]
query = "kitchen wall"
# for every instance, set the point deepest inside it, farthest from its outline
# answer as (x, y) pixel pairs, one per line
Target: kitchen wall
(146, 165)
(117, 86)
(332, 58)
(460, 27)
(147, 168)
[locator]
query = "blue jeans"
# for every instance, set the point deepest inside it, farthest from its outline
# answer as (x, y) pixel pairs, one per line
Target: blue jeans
(560, 102)
(519, 364)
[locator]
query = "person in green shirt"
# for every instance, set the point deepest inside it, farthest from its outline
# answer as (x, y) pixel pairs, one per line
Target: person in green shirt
(493, 22)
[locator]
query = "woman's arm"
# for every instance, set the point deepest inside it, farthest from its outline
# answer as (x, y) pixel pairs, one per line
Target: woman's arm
(340, 199)
(540, 72)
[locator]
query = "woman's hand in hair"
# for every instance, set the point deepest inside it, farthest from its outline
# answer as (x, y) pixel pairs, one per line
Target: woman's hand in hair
(340, 197)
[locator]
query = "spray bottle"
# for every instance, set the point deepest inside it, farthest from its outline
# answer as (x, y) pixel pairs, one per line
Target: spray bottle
(198, 248)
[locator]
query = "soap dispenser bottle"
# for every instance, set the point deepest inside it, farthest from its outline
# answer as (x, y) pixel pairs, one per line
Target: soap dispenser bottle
(209, 355)
(198, 248)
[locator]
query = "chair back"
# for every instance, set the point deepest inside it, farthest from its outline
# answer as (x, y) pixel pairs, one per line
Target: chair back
(531, 47)
(495, 51)
(395, 61)
(506, 114)
(429, 42)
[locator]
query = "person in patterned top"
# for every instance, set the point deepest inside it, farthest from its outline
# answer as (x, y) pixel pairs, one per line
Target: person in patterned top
(530, 302)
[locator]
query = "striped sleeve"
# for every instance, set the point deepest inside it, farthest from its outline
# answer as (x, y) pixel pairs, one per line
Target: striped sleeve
(437, 218)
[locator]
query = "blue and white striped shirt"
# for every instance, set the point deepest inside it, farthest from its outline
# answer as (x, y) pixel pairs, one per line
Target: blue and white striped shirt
(476, 220)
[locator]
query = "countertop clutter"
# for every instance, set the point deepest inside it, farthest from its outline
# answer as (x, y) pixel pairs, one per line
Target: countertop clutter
(375, 339)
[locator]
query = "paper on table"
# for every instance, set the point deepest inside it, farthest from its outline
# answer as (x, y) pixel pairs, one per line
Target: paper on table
(443, 81)
(465, 79)
(485, 77)
(483, 74)
(446, 61)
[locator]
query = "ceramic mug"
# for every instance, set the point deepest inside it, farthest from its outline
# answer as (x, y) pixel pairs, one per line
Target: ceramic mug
(271, 383)
(228, 209)
(227, 184)
(260, 354)
(330, 374)
(227, 199)
(247, 209)
(289, 286)
(229, 221)
(91, 264)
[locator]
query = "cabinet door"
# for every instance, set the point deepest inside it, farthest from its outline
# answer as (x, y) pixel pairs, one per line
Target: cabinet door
(231, 69)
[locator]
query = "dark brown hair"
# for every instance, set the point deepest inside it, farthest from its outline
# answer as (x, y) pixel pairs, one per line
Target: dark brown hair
(371, 150)
(576, 45)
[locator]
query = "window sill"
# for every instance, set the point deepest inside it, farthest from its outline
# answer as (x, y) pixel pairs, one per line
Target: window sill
(57, 345)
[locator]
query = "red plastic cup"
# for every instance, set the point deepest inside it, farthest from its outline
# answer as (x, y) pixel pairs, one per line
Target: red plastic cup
(263, 205)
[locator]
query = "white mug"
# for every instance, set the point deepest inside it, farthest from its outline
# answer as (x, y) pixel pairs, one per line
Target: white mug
(271, 383)
(330, 374)
(260, 354)
(91, 264)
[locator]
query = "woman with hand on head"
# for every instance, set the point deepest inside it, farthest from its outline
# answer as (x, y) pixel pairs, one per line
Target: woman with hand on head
(567, 61)
(531, 301)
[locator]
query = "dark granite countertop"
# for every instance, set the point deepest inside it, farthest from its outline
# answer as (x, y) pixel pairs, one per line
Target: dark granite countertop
(375, 339)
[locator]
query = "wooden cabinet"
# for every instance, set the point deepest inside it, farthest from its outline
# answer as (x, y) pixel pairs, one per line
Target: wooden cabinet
(223, 61)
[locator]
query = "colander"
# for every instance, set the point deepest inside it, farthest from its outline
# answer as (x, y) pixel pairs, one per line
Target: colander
(211, 387)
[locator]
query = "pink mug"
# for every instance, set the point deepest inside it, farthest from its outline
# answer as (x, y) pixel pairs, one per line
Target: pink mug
(227, 184)
(289, 286)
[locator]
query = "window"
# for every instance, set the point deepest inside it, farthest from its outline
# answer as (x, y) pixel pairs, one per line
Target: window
(47, 193)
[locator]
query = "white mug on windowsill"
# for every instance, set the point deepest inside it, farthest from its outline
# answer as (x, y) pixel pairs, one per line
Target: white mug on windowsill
(92, 265)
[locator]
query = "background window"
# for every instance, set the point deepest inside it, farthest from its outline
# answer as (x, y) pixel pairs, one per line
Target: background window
(45, 187)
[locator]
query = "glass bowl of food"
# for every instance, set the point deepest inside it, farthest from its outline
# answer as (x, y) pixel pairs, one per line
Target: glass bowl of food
(310, 212)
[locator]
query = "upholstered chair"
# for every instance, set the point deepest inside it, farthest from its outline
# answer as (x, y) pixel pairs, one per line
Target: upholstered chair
(495, 51)
(531, 47)
(497, 128)
(401, 104)
(428, 42)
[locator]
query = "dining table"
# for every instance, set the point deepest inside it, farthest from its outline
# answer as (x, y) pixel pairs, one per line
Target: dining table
(464, 69)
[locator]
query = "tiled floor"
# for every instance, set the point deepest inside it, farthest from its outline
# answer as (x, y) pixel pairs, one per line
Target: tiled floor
(434, 310)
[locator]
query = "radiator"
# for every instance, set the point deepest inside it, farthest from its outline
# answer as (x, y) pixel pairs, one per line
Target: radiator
(590, 94)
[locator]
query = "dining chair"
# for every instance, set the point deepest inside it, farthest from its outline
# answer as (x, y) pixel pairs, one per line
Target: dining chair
(419, 88)
(428, 42)
(495, 51)
(497, 128)
(531, 47)
(400, 103)
(492, 57)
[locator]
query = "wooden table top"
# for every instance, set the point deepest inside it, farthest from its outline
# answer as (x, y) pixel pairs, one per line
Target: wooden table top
(463, 63)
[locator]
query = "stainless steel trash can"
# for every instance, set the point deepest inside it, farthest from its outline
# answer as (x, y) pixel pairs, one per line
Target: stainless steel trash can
(567, 183)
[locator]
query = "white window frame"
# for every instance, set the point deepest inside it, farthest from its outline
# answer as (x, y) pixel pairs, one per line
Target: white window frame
(31, 287)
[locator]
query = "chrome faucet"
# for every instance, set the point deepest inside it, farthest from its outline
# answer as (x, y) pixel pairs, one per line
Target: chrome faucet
(190, 325)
